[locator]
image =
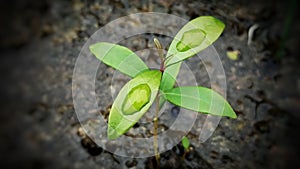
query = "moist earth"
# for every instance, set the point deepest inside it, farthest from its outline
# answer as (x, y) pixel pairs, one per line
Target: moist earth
(41, 40)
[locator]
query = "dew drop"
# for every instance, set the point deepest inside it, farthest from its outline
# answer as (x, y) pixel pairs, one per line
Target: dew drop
(190, 39)
(136, 99)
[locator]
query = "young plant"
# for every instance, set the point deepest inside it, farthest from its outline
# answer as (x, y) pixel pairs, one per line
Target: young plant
(147, 85)
(186, 145)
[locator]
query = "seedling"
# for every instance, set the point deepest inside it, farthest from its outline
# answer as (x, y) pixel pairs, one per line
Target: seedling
(186, 145)
(147, 86)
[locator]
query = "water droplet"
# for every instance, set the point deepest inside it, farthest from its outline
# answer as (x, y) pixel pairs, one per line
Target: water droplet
(190, 39)
(137, 98)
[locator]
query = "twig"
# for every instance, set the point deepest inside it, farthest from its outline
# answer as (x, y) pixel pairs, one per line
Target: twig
(155, 141)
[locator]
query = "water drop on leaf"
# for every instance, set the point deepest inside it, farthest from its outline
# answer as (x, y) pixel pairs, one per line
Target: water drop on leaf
(137, 98)
(190, 39)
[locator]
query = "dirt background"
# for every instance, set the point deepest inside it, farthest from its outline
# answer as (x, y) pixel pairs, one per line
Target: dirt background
(40, 41)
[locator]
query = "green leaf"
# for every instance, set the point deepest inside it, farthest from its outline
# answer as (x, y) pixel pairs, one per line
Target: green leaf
(200, 99)
(185, 142)
(119, 57)
(195, 36)
(134, 99)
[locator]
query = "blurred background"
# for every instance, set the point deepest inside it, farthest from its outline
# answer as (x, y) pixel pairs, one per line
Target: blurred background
(39, 44)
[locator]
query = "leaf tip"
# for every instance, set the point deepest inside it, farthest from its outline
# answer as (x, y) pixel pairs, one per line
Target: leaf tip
(232, 114)
(93, 47)
(112, 134)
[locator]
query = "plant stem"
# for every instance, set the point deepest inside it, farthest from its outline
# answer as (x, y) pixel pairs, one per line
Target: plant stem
(155, 141)
(155, 120)
(183, 156)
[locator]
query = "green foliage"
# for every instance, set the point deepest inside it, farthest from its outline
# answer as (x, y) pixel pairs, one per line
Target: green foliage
(122, 115)
(119, 57)
(195, 36)
(185, 143)
(200, 99)
(136, 97)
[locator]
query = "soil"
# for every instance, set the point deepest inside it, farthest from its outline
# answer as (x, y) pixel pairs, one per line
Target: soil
(40, 42)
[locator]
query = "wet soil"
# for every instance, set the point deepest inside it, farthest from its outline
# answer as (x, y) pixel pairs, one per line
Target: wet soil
(40, 42)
